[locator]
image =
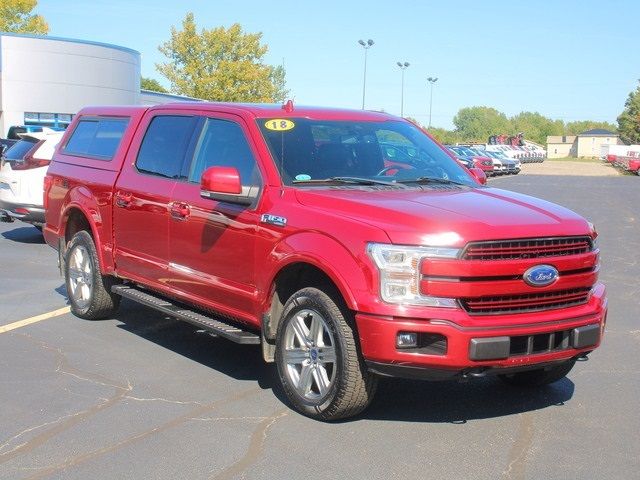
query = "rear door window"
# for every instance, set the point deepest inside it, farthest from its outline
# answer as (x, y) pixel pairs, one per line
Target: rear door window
(165, 145)
(96, 137)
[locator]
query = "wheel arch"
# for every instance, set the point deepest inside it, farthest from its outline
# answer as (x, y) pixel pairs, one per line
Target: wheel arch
(77, 217)
(309, 260)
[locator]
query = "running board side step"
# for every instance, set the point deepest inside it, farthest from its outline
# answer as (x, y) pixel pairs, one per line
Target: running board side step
(210, 325)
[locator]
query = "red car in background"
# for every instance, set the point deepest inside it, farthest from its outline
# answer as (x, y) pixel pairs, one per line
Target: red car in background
(482, 162)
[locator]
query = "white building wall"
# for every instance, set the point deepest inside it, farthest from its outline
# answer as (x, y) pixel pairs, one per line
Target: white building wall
(150, 98)
(51, 75)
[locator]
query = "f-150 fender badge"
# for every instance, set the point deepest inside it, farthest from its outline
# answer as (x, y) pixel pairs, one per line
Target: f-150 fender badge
(273, 220)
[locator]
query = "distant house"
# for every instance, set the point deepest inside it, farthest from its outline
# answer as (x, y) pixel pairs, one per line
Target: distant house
(560, 146)
(587, 144)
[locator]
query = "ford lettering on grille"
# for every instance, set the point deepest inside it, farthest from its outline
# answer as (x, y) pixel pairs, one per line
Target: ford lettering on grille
(540, 275)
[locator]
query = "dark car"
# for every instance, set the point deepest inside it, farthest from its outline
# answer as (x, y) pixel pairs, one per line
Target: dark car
(16, 130)
(5, 144)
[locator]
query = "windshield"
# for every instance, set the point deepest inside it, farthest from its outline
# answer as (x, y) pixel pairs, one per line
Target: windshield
(307, 151)
(479, 152)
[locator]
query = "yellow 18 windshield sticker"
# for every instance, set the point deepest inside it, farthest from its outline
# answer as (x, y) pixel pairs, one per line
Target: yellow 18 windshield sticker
(279, 125)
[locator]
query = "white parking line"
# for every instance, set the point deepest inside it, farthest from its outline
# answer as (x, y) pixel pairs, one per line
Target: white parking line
(37, 318)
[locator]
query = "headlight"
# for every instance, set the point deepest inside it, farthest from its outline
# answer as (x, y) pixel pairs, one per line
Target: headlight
(594, 234)
(400, 276)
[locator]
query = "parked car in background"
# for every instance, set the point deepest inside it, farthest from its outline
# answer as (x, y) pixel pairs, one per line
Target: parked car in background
(499, 167)
(5, 143)
(465, 162)
(22, 171)
(16, 131)
(629, 163)
(479, 161)
(513, 165)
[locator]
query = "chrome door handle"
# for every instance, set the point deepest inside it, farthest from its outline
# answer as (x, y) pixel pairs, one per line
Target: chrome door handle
(180, 210)
(123, 200)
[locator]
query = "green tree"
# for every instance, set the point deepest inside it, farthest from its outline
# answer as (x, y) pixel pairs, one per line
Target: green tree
(278, 79)
(151, 84)
(220, 64)
(577, 127)
(476, 124)
(444, 136)
(536, 127)
(629, 119)
(17, 16)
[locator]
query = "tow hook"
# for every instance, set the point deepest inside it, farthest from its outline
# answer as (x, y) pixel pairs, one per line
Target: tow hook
(583, 357)
(473, 373)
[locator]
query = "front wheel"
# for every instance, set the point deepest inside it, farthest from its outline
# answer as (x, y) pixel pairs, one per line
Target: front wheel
(89, 291)
(319, 364)
(540, 377)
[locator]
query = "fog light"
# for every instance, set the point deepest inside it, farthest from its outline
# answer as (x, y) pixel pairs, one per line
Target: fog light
(407, 340)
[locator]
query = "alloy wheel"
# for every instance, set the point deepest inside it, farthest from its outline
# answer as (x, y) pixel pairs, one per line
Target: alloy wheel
(310, 355)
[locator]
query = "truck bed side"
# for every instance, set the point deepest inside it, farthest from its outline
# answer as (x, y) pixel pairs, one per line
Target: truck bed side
(79, 187)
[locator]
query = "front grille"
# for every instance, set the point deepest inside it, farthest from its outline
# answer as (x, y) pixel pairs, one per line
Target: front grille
(540, 343)
(528, 248)
(528, 302)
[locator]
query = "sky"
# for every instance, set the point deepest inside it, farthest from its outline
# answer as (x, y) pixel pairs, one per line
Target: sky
(566, 59)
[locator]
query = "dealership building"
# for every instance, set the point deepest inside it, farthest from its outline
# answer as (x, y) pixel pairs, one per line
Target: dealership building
(46, 80)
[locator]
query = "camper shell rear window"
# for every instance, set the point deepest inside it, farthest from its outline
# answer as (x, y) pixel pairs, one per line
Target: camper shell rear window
(96, 137)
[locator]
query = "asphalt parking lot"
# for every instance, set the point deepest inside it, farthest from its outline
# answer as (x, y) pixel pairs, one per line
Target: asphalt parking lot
(142, 396)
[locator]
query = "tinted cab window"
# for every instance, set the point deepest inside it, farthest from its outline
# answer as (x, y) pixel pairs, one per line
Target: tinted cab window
(223, 143)
(164, 145)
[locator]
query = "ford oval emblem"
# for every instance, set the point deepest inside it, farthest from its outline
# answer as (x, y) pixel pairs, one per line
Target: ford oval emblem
(541, 275)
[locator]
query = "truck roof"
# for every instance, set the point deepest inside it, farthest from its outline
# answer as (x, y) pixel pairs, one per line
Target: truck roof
(257, 110)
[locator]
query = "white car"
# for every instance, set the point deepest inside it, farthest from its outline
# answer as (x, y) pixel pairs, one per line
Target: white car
(22, 170)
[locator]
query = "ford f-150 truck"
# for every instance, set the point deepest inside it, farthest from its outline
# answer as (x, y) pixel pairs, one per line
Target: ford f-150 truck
(294, 229)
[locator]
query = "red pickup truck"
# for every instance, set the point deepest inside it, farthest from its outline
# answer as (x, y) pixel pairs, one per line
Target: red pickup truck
(296, 229)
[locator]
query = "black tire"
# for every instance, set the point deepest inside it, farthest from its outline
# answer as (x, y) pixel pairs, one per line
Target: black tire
(100, 302)
(540, 377)
(352, 387)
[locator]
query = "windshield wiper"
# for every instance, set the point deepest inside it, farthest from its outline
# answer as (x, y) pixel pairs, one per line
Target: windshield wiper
(353, 180)
(445, 181)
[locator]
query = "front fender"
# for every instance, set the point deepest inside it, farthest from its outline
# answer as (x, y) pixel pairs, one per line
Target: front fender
(351, 275)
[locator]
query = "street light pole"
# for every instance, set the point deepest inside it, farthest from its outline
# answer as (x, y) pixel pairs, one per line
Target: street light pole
(403, 66)
(366, 45)
(431, 81)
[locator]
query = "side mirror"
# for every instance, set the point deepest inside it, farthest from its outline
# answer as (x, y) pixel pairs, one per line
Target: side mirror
(221, 180)
(223, 183)
(478, 175)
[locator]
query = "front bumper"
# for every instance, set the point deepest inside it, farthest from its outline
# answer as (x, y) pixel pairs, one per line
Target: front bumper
(27, 213)
(531, 343)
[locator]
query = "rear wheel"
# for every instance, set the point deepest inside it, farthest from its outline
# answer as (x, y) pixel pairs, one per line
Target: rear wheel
(319, 364)
(89, 291)
(540, 377)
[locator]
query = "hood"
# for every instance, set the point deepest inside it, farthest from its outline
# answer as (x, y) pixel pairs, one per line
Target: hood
(446, 215)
